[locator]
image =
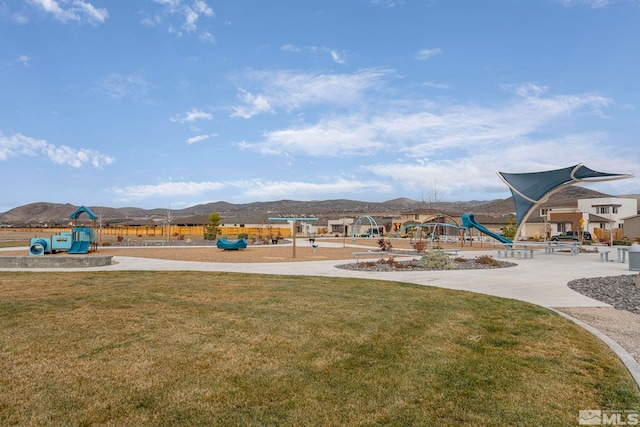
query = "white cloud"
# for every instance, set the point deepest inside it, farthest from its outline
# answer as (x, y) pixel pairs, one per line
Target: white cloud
(199, 138)
(118, 86)
(290, 48)
(329, 138)
(192, 116)
(24, 60)
(293, 90)
(256, 189)
(594, 4)
(428, 130)
(425, 54)
(182, 16)
(207, 37)
(20, 145)
(387, 3)
(336, 56)
(93, 14)
(251, 105)
(475, 170)
(76, 10)
(436, 85)
(165, 189)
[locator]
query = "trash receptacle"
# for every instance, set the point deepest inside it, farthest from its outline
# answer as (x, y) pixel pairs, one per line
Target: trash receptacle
(634, 257)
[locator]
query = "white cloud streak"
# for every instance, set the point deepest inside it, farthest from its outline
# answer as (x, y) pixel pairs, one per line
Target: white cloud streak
(429, 130)
(119, 86)
(199, 138)
(256, 189)
(251, 105)
(165, 189)
(76, 10)
(336, 56)
(291, 90)
(594, 4)
(183, 16)
(20, 145)
(330, 138)
(24, 60)
(191, 116)
(425, 54)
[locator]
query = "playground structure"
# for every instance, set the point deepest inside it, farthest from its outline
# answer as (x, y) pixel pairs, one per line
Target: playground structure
(229, 245)
(529, 191)
(372, 230)
(469, 221)
(437, 229)
(79, 241)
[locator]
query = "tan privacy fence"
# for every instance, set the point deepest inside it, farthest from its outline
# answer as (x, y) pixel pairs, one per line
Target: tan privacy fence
(193, 231)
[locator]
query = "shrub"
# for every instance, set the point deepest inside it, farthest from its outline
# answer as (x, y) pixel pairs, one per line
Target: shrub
(420, 246)
(106, 243)
(243, 236)
(437, 261)
(385, 244)
(487, 260)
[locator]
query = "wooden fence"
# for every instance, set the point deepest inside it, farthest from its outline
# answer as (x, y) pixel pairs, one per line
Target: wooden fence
(160, 232)
(608, 235)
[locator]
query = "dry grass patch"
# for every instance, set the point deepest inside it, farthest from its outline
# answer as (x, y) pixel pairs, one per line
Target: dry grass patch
(192, 348)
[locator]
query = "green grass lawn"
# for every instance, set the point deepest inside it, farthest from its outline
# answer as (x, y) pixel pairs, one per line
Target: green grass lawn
(192, 348)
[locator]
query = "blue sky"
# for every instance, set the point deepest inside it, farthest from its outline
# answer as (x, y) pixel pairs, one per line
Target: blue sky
(172, 103)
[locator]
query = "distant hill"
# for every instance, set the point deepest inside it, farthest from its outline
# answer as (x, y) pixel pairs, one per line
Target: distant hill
(59, 213)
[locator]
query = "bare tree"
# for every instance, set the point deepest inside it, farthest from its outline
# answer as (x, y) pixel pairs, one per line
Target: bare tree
(433, 197)
(169, 223)
(102, 214)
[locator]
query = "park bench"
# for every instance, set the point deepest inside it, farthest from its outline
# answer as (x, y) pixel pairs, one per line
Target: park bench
(528, 253)
(604, 255)
(446, 251)
(552, 246)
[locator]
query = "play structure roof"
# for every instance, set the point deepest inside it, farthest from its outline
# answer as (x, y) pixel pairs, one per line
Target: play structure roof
(531, 189)
(81, 210)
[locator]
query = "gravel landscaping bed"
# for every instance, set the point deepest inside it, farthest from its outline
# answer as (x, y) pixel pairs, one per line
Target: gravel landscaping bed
(392, 264)
(619, 291)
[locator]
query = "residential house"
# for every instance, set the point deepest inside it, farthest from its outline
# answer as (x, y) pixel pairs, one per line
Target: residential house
(604, 216)
(632, 228)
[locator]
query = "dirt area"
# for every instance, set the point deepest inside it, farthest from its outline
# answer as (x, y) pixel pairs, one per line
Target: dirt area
(326, 250)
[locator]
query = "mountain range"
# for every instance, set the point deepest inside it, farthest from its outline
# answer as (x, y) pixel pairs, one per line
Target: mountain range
(56, 212)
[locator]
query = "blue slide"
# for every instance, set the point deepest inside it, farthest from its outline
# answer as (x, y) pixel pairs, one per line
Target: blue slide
(469, 221)
(79, 247)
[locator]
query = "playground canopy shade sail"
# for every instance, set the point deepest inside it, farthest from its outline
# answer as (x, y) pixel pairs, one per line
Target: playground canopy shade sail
(531, 189)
